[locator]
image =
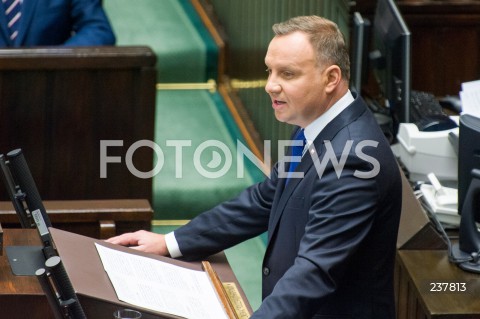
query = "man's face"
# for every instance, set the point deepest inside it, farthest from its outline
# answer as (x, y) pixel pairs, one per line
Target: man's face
(295, 82)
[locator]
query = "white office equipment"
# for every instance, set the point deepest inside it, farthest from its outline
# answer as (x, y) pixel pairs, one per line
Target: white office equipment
(425, 152)
(442, 203)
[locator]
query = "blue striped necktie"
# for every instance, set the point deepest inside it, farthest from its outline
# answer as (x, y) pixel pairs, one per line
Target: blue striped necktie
(13, 14)
(297, 150)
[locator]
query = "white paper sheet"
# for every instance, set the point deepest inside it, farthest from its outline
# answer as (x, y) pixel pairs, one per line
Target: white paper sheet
(470, 97)
(160, 286)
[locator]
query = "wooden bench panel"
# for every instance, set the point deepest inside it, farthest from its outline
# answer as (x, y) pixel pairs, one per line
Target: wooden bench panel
(58, 104)
(93, 218)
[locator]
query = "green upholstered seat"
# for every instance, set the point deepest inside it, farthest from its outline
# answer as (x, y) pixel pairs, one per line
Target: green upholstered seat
(185, 51)
(184, 188)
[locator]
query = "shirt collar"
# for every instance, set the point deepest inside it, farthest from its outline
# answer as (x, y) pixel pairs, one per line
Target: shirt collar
(313, 129)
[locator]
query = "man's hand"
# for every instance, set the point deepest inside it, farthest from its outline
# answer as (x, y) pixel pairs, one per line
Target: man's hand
(142, 240)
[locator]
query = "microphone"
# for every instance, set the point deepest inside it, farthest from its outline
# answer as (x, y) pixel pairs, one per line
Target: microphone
(24, 179)
(67, 295)
(15, 194)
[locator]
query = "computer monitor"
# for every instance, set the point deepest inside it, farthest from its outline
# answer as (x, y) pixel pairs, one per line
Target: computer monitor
(390, 60)
(468, 155)
(360, 45)
(467, 251)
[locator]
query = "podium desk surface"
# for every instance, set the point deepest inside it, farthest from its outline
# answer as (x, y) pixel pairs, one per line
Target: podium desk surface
(92, 284)
(23, 297)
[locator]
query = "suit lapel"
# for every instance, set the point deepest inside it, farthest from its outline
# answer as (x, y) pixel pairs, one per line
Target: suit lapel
(28, 8)
(279, 205)
(350, 114)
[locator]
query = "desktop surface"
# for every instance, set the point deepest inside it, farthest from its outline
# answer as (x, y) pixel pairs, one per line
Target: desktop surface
(21, 296)
(421, 274)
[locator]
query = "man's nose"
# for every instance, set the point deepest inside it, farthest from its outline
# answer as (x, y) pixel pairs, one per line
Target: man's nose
(272, 86)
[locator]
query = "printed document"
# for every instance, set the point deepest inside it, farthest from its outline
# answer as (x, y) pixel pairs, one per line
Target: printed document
(160, 286)
(470, 97)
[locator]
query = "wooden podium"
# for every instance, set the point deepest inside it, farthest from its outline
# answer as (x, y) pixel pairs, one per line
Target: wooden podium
(22, 296)
(415, 229)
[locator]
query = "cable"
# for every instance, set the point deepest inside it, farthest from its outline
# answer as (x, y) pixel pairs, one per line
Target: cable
(474, 257)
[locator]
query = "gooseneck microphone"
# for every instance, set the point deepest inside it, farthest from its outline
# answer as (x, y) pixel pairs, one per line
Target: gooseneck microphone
(16, 195)
(24, 179)
(66, 293)
(27, 188)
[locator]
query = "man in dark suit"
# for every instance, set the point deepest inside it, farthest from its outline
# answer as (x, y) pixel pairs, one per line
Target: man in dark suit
(29, 23)
(332, 230)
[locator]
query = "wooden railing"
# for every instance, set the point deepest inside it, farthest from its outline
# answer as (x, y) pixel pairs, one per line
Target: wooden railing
(93, 218)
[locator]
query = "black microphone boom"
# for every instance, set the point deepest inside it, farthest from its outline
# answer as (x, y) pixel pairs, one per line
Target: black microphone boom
(26, 191)
(66, 293)
(16, 196)
(22, 175)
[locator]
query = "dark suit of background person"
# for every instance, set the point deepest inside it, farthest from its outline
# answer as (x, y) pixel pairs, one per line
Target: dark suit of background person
(59, 22)
(331, 238)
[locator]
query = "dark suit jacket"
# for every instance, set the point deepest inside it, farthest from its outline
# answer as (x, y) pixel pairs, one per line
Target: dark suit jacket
(58, 22)
(331, 241)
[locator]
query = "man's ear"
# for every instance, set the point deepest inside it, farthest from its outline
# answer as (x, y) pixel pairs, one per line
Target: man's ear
(333, 76)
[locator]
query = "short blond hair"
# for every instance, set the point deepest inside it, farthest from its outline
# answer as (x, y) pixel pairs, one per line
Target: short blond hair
(325, 37)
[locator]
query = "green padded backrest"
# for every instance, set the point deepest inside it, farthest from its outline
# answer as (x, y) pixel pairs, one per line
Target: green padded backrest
(196, 116)
(185, 50)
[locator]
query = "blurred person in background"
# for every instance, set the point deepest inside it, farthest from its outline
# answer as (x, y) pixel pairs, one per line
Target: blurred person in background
(31, 23)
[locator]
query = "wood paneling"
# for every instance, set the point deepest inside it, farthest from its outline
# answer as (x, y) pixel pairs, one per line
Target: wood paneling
(445, 41)
(58, 104)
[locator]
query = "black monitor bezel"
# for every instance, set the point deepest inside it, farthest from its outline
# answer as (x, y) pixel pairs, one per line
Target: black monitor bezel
(392, 68)
(360, 45)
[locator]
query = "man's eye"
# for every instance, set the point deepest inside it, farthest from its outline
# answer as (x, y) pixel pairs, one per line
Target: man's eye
(287, 74)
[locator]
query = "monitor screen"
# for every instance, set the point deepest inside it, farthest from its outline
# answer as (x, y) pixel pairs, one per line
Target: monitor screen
(360, 45)
(390, 60)
(465, 251)
(468, 155)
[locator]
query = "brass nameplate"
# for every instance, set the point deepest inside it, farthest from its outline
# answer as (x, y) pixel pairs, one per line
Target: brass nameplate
(236, 300)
